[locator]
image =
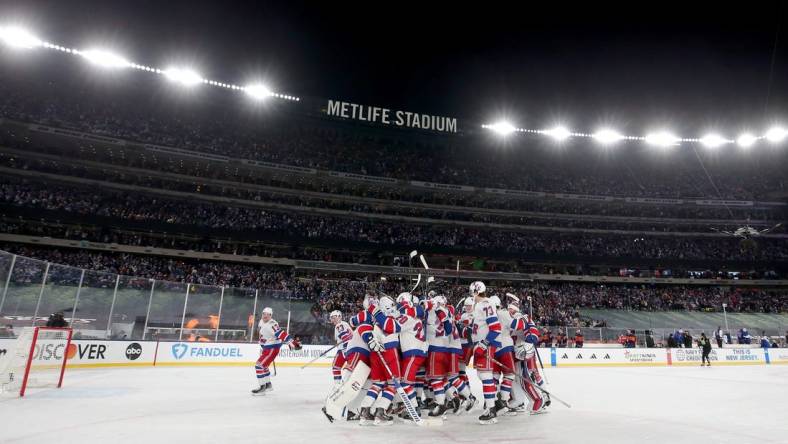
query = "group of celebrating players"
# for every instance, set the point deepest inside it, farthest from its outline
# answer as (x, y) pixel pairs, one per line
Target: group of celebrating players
(407, 357)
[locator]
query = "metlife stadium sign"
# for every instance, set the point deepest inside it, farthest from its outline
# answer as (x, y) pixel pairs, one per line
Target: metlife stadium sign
(386, 116)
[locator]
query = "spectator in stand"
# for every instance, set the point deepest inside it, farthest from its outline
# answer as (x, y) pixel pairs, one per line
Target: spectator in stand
(718, 335)
(561, 340)
(57, 320)
(7, 331)
(547, 338)
(679, 337)
(744, 336)
(705, 346)
(649, 339)
(632, 339)
(687, 340)
(579, 339)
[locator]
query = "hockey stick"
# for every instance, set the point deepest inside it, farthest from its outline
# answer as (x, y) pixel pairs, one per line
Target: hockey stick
(321, 355)
(539, 357)
(522, 380)
(274, 363)
(414, 415)
(418, 281)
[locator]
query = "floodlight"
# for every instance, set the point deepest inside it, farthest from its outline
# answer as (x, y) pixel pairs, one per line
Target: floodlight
(19, 37)
(559, 133)
(776, 134)
(713, 140)
(183, 76)
(607, 136)
(503, 128)
(663, 139)
(746, 140)
(105, 59)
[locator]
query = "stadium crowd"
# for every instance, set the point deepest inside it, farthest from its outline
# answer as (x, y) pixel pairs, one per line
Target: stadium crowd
(557, 304)
(389, 208)
(155, 209)
(222, 128)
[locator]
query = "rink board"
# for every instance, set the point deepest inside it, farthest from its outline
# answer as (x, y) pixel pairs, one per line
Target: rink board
(98, 354)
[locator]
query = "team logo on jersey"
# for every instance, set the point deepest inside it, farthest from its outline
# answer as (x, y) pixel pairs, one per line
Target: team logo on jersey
(179, 350)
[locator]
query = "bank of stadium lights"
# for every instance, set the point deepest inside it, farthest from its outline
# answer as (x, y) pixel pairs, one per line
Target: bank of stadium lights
(18, 37)
(257, 91)
(105, 59)
(503, 128)
(662, 139)
(746, 140)
(714, 141)
(607, 136)
(776, 134)
(559, 133)
(184, 76)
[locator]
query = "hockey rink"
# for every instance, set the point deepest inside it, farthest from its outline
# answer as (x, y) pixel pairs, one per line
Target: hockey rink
(213, 405)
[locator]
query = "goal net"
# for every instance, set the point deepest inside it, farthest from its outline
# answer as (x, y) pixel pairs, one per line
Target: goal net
(37, 360)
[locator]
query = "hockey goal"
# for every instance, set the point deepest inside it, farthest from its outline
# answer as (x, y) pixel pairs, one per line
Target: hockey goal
(37, 360)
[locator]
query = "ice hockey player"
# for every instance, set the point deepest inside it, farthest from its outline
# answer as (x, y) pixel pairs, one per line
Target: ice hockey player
(464, 329)
(486, 332)
(383, 343)
(413, 344)
(458, 392)
(526, 337)
(504, 356)
(271, 340)
(343, 333)
(440, 327)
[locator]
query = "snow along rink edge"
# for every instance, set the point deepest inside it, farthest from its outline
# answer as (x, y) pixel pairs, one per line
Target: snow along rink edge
(213, 405)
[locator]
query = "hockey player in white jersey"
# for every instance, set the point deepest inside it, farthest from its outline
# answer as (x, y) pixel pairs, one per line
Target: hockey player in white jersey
(413, 344)
(504, 355)
(486, 339)
(526, 337)
(271, 340)
(439, 328)
(343, 333)
(384, 358)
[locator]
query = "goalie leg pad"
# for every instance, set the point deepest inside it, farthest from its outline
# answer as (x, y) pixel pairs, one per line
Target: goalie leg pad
(343, 394)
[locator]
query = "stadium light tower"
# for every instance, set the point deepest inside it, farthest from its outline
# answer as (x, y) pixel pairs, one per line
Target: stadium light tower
(105, 59)
(503, 128)
(559, 133)
(258, 91)
(184, 76)
(17, 37)
(713, 140)
(746, 140)
(663, 139)
(607, 136)
(776, 134)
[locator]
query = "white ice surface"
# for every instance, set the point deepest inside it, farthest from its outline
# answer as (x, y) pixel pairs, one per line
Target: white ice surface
(213, 405)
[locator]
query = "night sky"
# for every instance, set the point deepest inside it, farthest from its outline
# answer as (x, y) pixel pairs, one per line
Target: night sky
(629, 65)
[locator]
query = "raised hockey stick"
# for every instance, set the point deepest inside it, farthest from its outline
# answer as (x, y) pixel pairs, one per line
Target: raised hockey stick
(522, 380)
(321, 355)
(414, 415)
(418, 281)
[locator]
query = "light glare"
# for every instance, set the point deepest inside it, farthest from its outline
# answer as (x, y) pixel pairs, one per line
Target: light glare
(105, 59)
(19, 37)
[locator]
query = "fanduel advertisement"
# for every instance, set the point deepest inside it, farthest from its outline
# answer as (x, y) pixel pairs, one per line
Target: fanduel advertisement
(386, 116)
